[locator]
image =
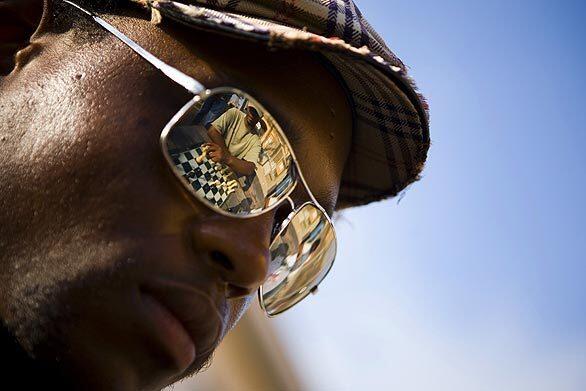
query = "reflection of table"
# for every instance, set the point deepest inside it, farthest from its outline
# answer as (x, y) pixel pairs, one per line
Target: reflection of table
(234, 199)
(251, 199)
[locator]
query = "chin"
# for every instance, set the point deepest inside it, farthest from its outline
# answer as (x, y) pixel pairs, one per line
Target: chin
(118, 328)
(126, 345)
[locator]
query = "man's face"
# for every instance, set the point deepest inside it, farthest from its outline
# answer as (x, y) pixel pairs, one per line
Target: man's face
(252, 118)
(107, 266)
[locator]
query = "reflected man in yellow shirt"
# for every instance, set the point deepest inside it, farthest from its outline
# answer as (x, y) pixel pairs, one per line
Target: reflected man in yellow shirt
(235, 140)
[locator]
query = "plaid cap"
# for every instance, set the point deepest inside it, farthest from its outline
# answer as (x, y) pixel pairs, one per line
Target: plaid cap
(390, 133)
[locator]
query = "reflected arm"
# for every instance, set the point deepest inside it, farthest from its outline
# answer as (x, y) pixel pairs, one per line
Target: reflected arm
(239, 166)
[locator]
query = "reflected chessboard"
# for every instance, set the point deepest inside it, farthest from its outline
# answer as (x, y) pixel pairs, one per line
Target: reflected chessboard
(203, 177)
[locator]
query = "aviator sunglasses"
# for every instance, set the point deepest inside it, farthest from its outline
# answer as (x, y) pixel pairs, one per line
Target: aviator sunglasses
(230, 153)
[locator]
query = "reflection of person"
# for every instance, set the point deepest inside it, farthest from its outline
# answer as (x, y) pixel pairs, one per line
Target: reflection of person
(235, 140)
(111, 278)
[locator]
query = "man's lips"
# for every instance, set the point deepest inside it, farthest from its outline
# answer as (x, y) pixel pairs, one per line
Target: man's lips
(170, 330)
(195, 313)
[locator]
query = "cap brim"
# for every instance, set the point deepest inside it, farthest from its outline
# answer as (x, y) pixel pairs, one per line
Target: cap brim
(391, 132)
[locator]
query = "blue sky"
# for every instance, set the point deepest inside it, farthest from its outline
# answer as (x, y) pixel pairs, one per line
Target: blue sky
(475, 280)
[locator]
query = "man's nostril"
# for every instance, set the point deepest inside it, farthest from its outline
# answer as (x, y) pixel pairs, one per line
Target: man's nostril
(221, 260)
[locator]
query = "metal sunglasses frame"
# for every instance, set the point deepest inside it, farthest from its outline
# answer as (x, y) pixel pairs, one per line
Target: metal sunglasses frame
(200, 92)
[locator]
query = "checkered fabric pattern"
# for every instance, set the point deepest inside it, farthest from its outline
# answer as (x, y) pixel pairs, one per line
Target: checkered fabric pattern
(201, 176)
(391, 133)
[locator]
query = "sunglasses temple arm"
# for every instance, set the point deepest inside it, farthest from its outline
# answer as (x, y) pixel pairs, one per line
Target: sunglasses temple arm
(187, 82)
(307, 189)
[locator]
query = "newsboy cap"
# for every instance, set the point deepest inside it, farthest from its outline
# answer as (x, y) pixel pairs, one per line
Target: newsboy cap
(390, 137)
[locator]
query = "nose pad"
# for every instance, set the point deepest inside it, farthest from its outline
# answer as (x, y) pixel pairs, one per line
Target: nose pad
(236, 250)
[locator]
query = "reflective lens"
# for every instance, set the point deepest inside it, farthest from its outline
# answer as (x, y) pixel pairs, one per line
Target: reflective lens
(230, 153)
(301, 256)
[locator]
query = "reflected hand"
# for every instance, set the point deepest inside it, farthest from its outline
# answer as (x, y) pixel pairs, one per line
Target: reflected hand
(218, 154)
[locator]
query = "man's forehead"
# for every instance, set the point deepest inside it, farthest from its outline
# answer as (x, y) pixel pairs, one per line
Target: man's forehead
(290, 85)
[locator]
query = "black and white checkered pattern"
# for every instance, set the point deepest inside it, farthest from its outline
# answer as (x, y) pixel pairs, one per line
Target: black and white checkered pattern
(202, 177)
(391, 134)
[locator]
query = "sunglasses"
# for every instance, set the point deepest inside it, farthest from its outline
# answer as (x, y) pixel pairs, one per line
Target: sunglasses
(230, 153)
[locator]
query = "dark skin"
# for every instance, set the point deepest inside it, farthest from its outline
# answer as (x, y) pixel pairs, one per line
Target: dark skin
(97, 235)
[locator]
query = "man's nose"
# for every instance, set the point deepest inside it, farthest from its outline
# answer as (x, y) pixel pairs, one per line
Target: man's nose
(237, 250)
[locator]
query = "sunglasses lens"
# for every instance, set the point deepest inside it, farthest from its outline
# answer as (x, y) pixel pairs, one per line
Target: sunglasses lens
(230, 153)
(301, 256)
